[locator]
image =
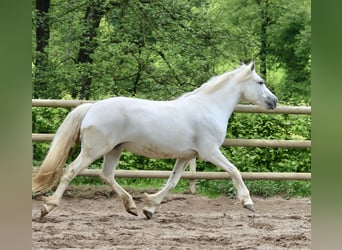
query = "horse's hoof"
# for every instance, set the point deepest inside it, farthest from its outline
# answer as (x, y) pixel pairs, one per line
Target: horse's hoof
(43, 211)
(148, 214)
(250, 207)
(133, 211)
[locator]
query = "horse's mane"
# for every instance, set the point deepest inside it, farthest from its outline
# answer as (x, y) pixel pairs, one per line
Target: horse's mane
(213, 84)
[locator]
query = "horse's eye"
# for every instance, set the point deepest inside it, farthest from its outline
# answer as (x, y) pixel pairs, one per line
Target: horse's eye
(261, 82)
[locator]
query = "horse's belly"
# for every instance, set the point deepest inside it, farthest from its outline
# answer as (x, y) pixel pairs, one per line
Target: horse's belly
(158, 151)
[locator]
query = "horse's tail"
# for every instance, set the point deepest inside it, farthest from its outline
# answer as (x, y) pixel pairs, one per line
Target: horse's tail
(67, 134)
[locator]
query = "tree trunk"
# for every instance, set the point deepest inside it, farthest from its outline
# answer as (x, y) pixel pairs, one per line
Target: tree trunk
(42, 41)
(95, 11)
(263, 5)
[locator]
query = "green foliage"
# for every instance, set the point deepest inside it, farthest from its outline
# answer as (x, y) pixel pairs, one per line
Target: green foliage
(262, 188)
(159, 50)
(290, 48)
(47, 120)
(262, 126)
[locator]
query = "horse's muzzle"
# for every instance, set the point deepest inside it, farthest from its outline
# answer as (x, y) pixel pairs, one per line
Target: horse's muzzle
(271, 103)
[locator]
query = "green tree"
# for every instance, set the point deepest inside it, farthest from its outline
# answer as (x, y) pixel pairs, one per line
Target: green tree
(42, 34)
(88, 44)
(101, 48)
(158, 49)
(290, 48)
(276, 34)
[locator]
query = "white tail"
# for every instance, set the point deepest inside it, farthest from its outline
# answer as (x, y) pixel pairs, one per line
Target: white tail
(68, 133)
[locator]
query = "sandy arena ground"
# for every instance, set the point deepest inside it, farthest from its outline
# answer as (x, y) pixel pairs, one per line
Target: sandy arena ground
(94, 218)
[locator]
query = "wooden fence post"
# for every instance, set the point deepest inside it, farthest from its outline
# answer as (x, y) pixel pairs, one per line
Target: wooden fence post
(192, 182)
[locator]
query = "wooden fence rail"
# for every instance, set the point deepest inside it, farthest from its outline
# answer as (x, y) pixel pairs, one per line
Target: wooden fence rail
(239, 108)
(196, 175)
(226, 143)
(192, 175)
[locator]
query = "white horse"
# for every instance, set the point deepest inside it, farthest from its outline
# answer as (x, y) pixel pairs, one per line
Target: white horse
(192, 125)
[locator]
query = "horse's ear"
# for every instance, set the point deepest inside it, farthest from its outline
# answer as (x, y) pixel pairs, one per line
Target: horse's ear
(252, 66)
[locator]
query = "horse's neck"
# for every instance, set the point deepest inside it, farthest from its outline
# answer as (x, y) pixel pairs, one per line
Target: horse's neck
(224, 101)
(220, 101)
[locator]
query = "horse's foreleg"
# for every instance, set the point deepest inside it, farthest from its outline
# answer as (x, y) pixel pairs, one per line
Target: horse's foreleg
(151, 201)
(218, 159)
(110, 162)
(81, 162)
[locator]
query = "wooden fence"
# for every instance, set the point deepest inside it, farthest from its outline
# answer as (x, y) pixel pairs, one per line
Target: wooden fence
(192, 174)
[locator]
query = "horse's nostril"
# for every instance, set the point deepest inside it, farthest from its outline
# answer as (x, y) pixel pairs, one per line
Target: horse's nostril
(271, 103)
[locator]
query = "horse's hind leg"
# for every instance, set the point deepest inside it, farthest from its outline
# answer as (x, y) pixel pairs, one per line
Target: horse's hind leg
(81, 162)
(151, 201)
(111, 160)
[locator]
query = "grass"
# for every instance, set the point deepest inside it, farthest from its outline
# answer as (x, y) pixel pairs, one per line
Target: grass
(213, 188)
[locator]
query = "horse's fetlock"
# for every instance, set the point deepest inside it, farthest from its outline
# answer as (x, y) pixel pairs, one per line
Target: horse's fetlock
(148, 199)
(51, 200)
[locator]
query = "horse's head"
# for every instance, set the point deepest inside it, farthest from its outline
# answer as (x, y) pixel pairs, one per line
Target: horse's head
(254, 89)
